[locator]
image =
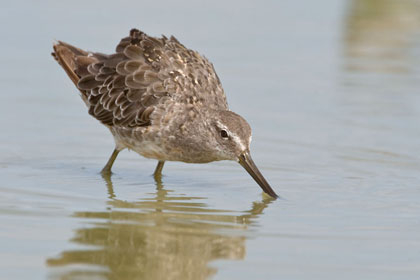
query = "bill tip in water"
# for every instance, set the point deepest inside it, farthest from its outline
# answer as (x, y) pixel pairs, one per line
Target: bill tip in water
(248, 164)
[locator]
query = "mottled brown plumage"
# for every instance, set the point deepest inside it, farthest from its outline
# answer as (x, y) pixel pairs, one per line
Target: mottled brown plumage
(159, 99)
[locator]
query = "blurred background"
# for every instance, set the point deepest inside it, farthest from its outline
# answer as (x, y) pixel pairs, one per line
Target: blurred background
(331, 90)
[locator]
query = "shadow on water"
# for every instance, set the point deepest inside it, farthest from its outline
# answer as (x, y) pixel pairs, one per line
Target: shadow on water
(163, 237)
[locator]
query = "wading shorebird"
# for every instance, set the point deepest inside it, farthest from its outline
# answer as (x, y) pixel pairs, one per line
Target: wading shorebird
(161, 100)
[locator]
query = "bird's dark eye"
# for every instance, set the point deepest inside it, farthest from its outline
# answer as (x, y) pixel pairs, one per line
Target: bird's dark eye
(224, 133)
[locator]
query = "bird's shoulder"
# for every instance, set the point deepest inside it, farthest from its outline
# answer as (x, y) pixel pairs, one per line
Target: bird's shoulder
(125, 88)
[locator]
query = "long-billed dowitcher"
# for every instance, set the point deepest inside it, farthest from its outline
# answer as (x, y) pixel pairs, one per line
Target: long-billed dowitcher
(161, 100)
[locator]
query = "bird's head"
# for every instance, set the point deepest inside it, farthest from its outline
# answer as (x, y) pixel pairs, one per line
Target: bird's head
(233, 136)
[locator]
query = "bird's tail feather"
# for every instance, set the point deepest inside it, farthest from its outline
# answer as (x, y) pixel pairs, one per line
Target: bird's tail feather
(74, 61)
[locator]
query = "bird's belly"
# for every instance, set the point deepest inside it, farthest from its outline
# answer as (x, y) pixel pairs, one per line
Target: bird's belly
(152, 146)
(150, 149)
(135, 140)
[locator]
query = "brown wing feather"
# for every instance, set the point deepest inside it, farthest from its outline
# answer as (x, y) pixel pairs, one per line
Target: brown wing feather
(65, 57)
(123, 89)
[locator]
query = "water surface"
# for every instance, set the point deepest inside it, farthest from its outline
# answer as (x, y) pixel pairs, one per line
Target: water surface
(331, 90)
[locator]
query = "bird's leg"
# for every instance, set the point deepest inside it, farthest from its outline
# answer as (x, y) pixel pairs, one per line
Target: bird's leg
(158, 171)
(107, 168)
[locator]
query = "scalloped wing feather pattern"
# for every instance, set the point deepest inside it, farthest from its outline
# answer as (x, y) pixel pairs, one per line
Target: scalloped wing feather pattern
(125, 88)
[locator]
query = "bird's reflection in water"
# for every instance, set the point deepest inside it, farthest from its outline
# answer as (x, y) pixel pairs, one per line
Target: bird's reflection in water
(164, 237)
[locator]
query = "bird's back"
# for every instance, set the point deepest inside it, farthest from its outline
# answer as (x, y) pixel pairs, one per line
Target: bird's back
(127, 88)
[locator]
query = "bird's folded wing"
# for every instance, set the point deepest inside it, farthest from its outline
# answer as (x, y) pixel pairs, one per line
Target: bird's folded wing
(123, 89)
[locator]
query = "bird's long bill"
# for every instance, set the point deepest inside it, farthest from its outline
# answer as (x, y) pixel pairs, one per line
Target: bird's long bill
(246, 161)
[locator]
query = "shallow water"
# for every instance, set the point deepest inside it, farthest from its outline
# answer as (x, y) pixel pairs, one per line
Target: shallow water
(331, 91)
